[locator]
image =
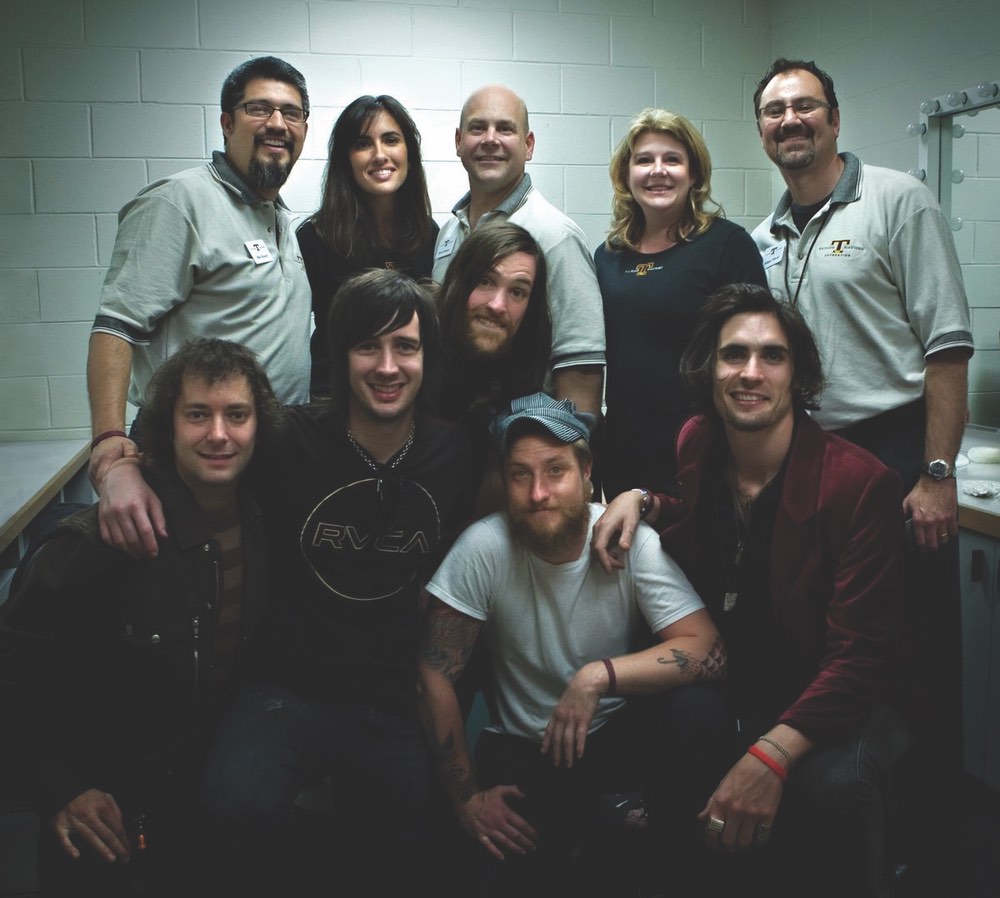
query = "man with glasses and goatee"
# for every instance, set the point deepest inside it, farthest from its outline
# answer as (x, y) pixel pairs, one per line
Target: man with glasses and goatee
(209, 251)
(867, 257)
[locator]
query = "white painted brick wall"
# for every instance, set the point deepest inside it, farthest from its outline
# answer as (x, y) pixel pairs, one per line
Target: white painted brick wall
(141, 23)
(88, 74)
(102, 96)
(139, 130)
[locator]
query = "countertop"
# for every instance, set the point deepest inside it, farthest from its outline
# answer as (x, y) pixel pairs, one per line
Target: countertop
(32, 474)
(974, 513)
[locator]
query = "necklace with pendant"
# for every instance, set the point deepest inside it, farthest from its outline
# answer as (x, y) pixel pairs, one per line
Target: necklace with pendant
(742, 511)
(390, 465)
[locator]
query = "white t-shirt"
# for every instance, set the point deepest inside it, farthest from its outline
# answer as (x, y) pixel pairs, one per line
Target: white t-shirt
(543, 621)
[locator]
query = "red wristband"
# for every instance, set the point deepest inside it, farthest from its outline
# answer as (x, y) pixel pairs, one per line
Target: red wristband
(101, 437)
(612, 679)
(765, 758)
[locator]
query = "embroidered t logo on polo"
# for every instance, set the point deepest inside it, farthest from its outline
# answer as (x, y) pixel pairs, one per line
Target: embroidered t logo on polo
(841, 248)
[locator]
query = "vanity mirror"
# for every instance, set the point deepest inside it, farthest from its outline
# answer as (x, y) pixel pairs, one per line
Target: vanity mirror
(960, 162)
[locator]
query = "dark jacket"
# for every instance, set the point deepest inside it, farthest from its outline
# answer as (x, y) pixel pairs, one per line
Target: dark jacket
(103, 657)
(835, 569)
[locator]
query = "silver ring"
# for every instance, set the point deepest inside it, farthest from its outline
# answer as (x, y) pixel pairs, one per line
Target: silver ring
(715, 825)
(762, 832)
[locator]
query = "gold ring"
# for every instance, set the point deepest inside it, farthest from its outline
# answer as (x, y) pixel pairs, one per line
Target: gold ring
(715, 825)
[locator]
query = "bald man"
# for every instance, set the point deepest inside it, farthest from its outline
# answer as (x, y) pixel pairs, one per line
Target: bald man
(494, 142)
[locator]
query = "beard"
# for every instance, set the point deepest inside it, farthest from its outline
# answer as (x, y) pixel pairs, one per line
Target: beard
(555, 539)
(481, 343)
(798, 158)
(267, 175)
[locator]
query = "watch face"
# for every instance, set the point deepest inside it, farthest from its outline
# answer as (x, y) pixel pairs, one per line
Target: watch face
(938, 469)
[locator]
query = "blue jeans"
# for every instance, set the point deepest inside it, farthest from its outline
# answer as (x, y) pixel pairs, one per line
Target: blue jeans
(271, 743)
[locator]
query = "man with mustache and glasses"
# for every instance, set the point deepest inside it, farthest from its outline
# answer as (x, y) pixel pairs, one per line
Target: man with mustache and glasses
(361, 495)
(867, 256)
(209, 251)
(567, 643)
(494, 142)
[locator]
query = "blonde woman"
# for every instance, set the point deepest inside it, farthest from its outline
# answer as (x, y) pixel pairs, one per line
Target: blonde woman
(668, 249)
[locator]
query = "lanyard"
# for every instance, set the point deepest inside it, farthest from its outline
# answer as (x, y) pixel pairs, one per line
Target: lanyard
(805, 264)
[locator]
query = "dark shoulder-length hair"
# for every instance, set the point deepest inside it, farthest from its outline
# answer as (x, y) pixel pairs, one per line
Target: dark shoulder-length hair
(524, 366)
(376, 302)
(211, 360)
(343, 220)
(698, 360)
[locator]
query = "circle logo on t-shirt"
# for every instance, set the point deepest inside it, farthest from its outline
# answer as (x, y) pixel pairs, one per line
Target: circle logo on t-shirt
(369, 539)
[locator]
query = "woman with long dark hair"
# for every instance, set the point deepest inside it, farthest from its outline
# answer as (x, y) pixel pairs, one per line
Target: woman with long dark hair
(375, 211)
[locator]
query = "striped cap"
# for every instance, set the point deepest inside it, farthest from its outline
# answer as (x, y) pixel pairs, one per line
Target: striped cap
(558, 416)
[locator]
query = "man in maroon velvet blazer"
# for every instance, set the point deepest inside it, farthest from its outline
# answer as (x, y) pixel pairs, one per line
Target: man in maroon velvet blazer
(793, 539)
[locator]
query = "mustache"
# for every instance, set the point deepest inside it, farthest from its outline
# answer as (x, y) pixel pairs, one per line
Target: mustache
(801, 129)
(260, 138)
(493, 317)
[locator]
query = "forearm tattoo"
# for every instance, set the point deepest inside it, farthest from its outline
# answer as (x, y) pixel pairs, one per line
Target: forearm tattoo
(711, 667)
(448, 640)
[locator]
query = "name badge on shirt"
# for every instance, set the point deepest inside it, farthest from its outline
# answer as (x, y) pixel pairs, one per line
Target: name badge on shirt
(773, 255)
(258, 251)
(444, 248)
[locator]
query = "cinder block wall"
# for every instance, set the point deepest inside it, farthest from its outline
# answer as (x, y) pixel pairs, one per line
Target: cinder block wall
(99, 97)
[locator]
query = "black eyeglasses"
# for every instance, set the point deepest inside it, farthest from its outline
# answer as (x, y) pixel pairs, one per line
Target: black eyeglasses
(803, 108)
(258, 109)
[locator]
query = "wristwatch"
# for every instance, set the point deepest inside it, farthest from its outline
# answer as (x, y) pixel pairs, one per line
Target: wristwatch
(938, 468)
(645, 502)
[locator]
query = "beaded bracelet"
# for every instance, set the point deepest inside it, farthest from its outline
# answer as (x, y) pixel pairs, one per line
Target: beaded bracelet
(777, 745)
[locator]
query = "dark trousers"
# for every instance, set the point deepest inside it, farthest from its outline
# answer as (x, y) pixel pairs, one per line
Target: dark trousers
(270, 745)
(931, 776)
(601, 823)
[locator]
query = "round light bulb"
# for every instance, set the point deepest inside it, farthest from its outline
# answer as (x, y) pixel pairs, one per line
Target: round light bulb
(929, 107)
(918, 173)
(987, 89)
(958, 98)
(915, 129)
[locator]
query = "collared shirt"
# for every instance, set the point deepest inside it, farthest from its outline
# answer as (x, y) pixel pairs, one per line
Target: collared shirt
(200, 254)
(876, 276)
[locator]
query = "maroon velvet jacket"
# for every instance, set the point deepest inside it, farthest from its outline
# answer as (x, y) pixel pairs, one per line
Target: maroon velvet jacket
(836, 567)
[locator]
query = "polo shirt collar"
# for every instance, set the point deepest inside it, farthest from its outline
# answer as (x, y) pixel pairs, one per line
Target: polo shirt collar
(847, 190)
(229, 176)
(509, 203)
